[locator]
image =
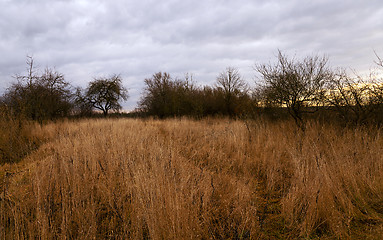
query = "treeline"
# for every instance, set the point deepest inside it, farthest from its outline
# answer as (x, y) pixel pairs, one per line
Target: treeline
(165, 96)
(302, 89)
(48, 96)
(290, 86)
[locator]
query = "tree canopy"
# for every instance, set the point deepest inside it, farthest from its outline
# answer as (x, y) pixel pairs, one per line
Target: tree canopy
(105, 94)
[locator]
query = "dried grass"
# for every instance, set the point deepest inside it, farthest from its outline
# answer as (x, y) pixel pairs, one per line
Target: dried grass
(184, 179)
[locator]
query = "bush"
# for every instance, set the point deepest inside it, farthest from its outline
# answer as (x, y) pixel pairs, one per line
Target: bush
(39, 97)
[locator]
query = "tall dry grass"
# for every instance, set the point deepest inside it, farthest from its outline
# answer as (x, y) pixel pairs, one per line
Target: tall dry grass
(17, 137)
(184, 179)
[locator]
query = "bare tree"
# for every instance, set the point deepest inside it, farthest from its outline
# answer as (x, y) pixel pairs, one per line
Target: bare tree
(298, 85)
(357, 99)
(233, 86)
(156, 99)
(164, 96)
(106, 93)
(354, 99)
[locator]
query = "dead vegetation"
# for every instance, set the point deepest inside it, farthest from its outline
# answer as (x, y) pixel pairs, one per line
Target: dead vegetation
(184, 179)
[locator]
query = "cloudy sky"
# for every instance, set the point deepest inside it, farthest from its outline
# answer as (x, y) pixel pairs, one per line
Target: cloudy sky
(84, 39)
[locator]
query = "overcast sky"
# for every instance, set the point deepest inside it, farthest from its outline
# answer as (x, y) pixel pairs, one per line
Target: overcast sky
(88, 38)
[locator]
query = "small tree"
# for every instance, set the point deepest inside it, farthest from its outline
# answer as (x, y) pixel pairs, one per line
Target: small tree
(233, 87)
(157, 96)
(354, 99)
(105, 93)
(163, 96)
(297, 85)
(357, 99)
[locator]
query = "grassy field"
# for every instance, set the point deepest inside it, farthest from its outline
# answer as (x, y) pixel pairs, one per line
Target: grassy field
(185, 179)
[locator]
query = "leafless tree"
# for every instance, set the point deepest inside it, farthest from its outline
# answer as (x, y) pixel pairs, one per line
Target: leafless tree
(106, 93)
(156, 99)
(233, 86)
(164, 96)
(355, 99)
(298, 85)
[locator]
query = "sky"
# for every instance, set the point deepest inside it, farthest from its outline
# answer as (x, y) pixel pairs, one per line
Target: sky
(86, 39)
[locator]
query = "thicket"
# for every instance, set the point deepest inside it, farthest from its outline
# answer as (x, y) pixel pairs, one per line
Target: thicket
(38, 96)
(167, 97)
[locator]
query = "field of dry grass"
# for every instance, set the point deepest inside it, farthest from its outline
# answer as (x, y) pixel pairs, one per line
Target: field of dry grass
(185, 179)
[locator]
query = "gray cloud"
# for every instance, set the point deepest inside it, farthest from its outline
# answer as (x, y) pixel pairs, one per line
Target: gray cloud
(85, 39)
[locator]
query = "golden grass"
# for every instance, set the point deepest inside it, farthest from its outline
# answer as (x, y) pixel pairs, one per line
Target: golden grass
(184, 179)
(17, 137)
